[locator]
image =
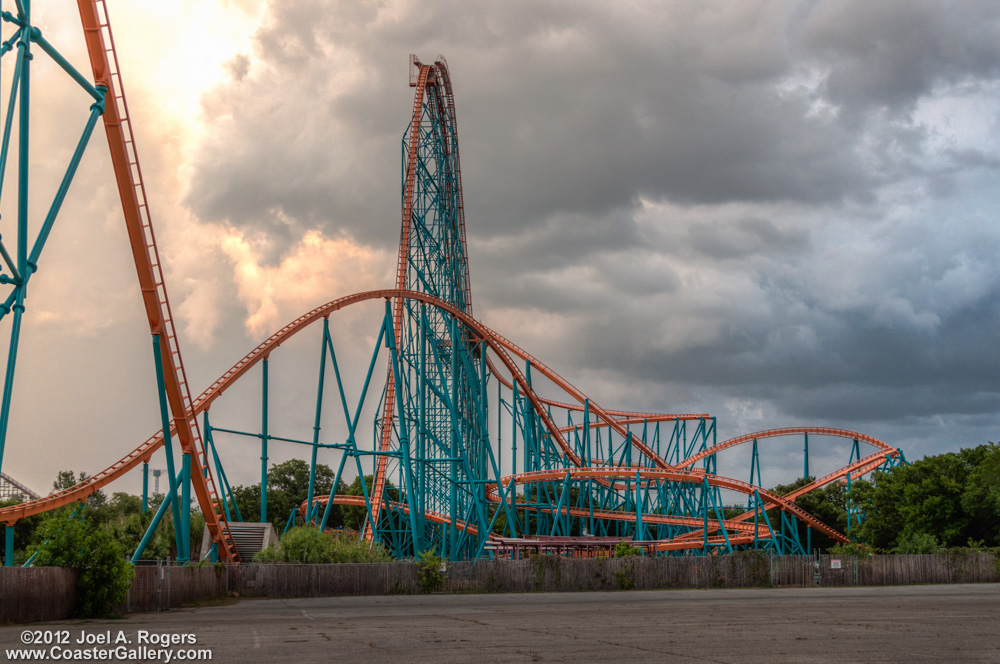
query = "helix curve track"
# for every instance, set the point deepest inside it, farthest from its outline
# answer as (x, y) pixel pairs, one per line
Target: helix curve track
(468, 450)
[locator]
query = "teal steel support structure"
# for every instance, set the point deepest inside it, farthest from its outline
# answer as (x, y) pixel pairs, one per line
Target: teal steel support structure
(145, 486)
(184, 554)
(263, 444)
(316, 422)
(805, 457)
(21, 265)
(168, 449)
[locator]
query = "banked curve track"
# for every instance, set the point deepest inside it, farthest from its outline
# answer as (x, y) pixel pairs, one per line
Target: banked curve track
(505, 351)
(500, 345)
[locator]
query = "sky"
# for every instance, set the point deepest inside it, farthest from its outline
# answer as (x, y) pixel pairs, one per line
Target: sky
(779, 213)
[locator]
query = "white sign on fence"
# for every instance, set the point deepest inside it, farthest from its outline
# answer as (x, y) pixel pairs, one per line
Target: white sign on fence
(835, 564)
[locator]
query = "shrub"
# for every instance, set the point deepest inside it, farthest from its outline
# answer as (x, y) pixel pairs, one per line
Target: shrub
(105, 573)
(624, 576)
(310, 545)
(625, 550)
(917, 543)
(851, 549)
(431, 576)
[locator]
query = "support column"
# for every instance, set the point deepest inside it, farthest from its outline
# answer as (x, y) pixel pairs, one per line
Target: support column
(638, 508)
(145, 486)
(263, 448)
(23, 84)
(169, 500)
(310, 509)
(805, 458)
(8, 556)
(185, 555)
(167, 445)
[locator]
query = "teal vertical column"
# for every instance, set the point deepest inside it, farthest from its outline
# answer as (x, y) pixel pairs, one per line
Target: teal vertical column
(638, 509)
(756, 512)
(263, 448)
(513, 426)
(145, 486)
(704, 507)
(185, 556)
(316, 424)
(8, 555)
(23, 83)
(404, 441)
(528, 422)
(805, 458)
(421, 456)
(454, 452)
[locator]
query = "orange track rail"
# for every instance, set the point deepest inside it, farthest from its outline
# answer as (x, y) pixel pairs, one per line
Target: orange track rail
(500, 346)
(673, 475)
(128, 174)
(202, 403)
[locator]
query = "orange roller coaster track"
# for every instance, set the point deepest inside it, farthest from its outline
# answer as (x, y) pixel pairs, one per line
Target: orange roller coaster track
(476, 443)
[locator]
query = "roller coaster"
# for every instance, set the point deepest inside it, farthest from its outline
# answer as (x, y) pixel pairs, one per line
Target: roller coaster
(475, 447)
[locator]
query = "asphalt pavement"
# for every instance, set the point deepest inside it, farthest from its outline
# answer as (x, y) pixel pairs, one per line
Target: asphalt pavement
(945, 623)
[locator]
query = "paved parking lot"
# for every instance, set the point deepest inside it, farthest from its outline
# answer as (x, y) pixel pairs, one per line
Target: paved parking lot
(954, 623)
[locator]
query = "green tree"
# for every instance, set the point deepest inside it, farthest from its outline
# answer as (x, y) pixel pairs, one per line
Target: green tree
(953, 497)
(68, 539)
(66, 479)
(287, 489)
(354, 515)
(828, 504)
(121, 517)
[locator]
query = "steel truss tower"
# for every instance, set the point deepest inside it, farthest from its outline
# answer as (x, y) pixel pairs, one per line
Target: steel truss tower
(435, 411)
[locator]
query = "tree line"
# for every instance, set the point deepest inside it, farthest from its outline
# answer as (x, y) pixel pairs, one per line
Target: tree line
(944, 501)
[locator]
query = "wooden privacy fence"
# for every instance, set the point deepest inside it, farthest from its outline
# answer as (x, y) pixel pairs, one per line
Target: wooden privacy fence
(324, 580)
(162, 587)
(36, 594)
(173, 586)
(48, 593)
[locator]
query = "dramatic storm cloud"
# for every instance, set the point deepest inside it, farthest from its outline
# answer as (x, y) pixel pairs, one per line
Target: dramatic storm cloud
(777, 212)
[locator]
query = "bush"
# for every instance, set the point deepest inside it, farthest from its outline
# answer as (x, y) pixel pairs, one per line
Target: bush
(917, 543)
(851, 549)
(625, 550)
(105, 573)
(310, 545)
(431, 576)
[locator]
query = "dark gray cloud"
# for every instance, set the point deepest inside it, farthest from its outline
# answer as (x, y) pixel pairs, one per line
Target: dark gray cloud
(778, 206)
(890, 54)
